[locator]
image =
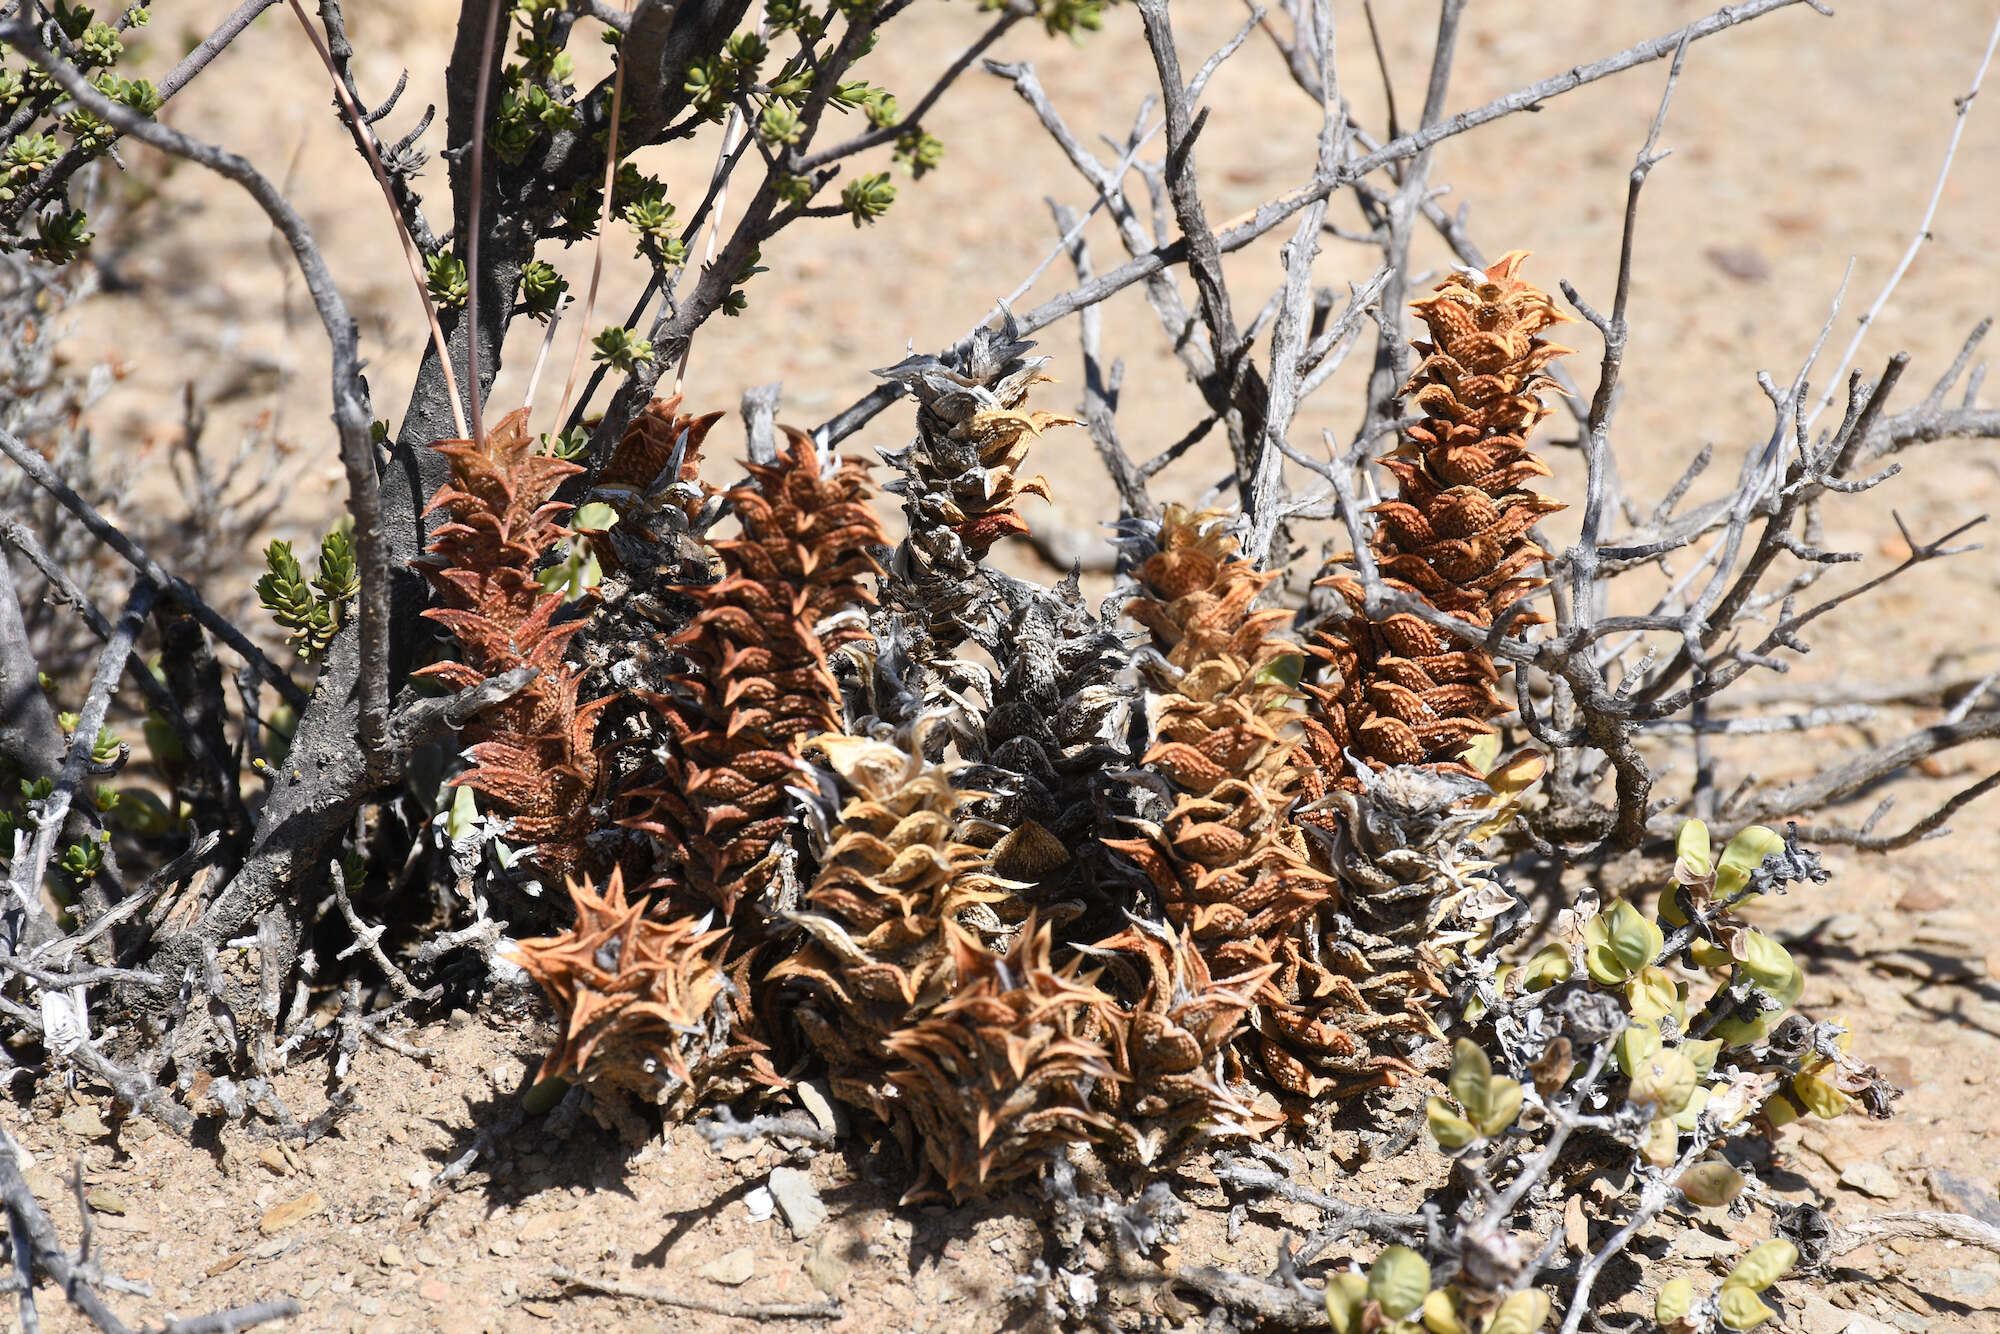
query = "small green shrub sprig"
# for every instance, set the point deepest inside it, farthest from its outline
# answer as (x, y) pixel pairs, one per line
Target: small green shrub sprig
(311, 611)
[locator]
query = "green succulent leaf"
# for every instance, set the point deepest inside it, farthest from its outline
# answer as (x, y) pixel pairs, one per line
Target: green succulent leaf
(1619, 943)
(1675, 1300)
(1745, 853)
(1741, 1307)
(1346, 1294)
(1491, 1102)
(1522, 1313)
(1710, 1183)
(1766, 1263)
(1448, 1128)
(1398, 1281)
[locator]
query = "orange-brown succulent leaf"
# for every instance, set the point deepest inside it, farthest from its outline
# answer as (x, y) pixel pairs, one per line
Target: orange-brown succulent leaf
(640, 462)
(639, 1002)
(1002, 1071)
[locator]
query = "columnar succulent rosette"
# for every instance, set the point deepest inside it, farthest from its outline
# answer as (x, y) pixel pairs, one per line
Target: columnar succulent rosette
(534, 754)
(1400, 690)
(961, 478)
(1003, 1070)
(640, 1001)
(758, 683)
(1228, 866)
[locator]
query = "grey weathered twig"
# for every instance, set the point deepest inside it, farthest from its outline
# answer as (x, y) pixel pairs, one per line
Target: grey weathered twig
(353, 417)
(182, 593)
(829, 1309)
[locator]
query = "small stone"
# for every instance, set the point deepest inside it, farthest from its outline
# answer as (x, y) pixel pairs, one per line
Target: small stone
(427, 1256)
(736, 1150)
(1923, 898)
(105, 1201)
(1836, 1157)
(798, 1199)
(825, 1265)
(434, 1290)
(1743, 263)
(1697, 1244)
(760, 1204)
(737, 1267)
(1909, 1321)
(1871, 1178)
(543, 1226)
(311, 1288)
(1817, 1315)
(271, 1249)
(419, 1177)
(275, 1161)
(290, 1212)
(1963, 1196)
(44, 1184)
(1865, 1324)
(504, 1247)
(816, 1095)
(83, 1121)
(1845, 926)
(1971, 1282)
(507, 1074)
(392, 1257)
(540, 1310)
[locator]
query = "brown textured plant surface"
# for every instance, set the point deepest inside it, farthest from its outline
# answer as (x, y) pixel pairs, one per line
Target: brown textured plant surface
(894, 874)
(534, 754)
(758, 683)
(1456, 535)
(637, 997)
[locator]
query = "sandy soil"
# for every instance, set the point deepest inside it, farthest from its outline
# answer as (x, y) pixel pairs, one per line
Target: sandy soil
(1799, 142)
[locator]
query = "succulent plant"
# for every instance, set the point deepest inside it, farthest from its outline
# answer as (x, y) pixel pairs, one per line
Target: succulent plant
(1456, 535)
(535, 754)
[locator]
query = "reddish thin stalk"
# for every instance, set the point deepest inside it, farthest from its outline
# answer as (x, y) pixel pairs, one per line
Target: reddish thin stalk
(472, 222)
(367, 138)
(603, 223)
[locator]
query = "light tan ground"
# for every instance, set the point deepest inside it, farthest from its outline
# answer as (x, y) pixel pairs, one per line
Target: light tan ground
(1799, 141)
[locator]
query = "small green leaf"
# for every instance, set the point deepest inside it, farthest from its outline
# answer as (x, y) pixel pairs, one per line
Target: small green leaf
(1766, 1263)
(1549, 966)
(464, 813)
(1675, 1300)
(1619, 943)
(1440, 1316)
(1741, 1307)
(1745, 853)
(596, 517)
(1692, 848)
(1652, 995)
(1345, 1296)
(1491, 1102)
(1448, 1128)
(1398, 1281)
(1522, 1313)
(1636, 1045)
(1710, 1183)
